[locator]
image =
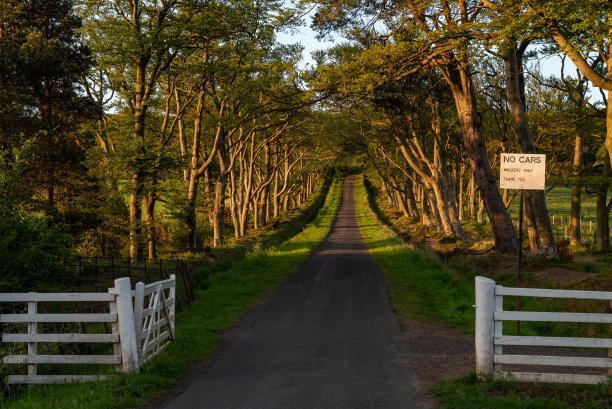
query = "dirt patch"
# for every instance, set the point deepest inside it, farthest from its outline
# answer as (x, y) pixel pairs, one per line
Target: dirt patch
(437, 354)
(488, 262)
(560, 275)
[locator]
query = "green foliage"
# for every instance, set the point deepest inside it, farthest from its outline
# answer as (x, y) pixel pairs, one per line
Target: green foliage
(30, 250)
(229, 289)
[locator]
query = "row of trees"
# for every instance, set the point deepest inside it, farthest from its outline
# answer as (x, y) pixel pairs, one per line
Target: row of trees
(137, 120)
(431, 85)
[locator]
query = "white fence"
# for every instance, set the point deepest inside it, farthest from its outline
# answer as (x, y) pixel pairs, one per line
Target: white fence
(490, 339)
(137, 333)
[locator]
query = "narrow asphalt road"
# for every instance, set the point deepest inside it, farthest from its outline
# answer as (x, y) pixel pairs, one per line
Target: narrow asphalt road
(327, 338)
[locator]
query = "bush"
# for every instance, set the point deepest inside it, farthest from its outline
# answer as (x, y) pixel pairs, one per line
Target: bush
(30, 251)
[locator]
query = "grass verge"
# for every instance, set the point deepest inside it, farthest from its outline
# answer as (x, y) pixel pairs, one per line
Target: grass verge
(420, 284)
(424, 286)
(226, 294)
(469, 392)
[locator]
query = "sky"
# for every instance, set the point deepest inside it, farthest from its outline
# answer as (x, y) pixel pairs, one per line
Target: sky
(307, 38)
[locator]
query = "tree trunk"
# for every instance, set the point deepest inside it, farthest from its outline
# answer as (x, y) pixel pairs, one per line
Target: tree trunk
(219, 202)
(434, 209)
(275, 192)
(426, 220)
(462, 88)
(190, 214)
(140, 108)
(472, 198)
(265, 191)
(461, 199)
(136, 251)
(539, 228)
(411, 200)
(445, 196)
(576, 206)
(235, 201)
(603, 209)
(148, 204)
(403, 204)
(181, 134)
(481, 209)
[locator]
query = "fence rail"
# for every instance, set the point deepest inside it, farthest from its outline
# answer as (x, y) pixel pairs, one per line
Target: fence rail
(33, 318)
(132, 333)
(490, 340)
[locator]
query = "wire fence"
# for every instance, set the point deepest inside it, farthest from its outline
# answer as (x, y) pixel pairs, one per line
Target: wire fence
(99, 273)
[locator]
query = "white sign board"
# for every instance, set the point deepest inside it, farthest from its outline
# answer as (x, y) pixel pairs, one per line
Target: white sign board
(522, 171)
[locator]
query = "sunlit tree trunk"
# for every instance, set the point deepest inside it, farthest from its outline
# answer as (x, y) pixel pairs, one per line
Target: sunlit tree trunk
(148, 204)
(463, 91)
(576, 206)
(539, 228)
(603, 209)
(220, 189)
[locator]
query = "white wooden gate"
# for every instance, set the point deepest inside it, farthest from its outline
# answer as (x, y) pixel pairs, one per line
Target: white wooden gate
(137, 333)
(490, 339)
(155, 322)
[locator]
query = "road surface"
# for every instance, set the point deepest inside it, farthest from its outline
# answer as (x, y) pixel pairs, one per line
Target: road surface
(326, 338)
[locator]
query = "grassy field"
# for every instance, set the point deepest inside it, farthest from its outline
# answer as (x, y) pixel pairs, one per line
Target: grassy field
(559, 202)
(227, 291)
(424, 286)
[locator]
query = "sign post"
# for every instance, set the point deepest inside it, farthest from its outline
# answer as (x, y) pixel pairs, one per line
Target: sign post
(522, 171)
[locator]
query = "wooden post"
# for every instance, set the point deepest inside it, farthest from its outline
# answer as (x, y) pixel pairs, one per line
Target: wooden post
(32, 330)
(498, 331)
(127, 331)
(112, 307)
(172, 307)
(485, 329)
(138, 308)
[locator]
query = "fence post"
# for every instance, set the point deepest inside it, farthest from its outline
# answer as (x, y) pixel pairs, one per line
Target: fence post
(173, 306)
(485, 329)
(127, 329)
(112, 307)
(138, 308)
(32, 330)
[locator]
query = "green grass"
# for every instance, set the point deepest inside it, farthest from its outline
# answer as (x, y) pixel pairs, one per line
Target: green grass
(424, 286)
(420, 284)
(558, 201)
(227, 292)
(469, 392)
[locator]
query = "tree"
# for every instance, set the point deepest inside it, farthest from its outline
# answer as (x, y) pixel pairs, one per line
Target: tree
(137, 41)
